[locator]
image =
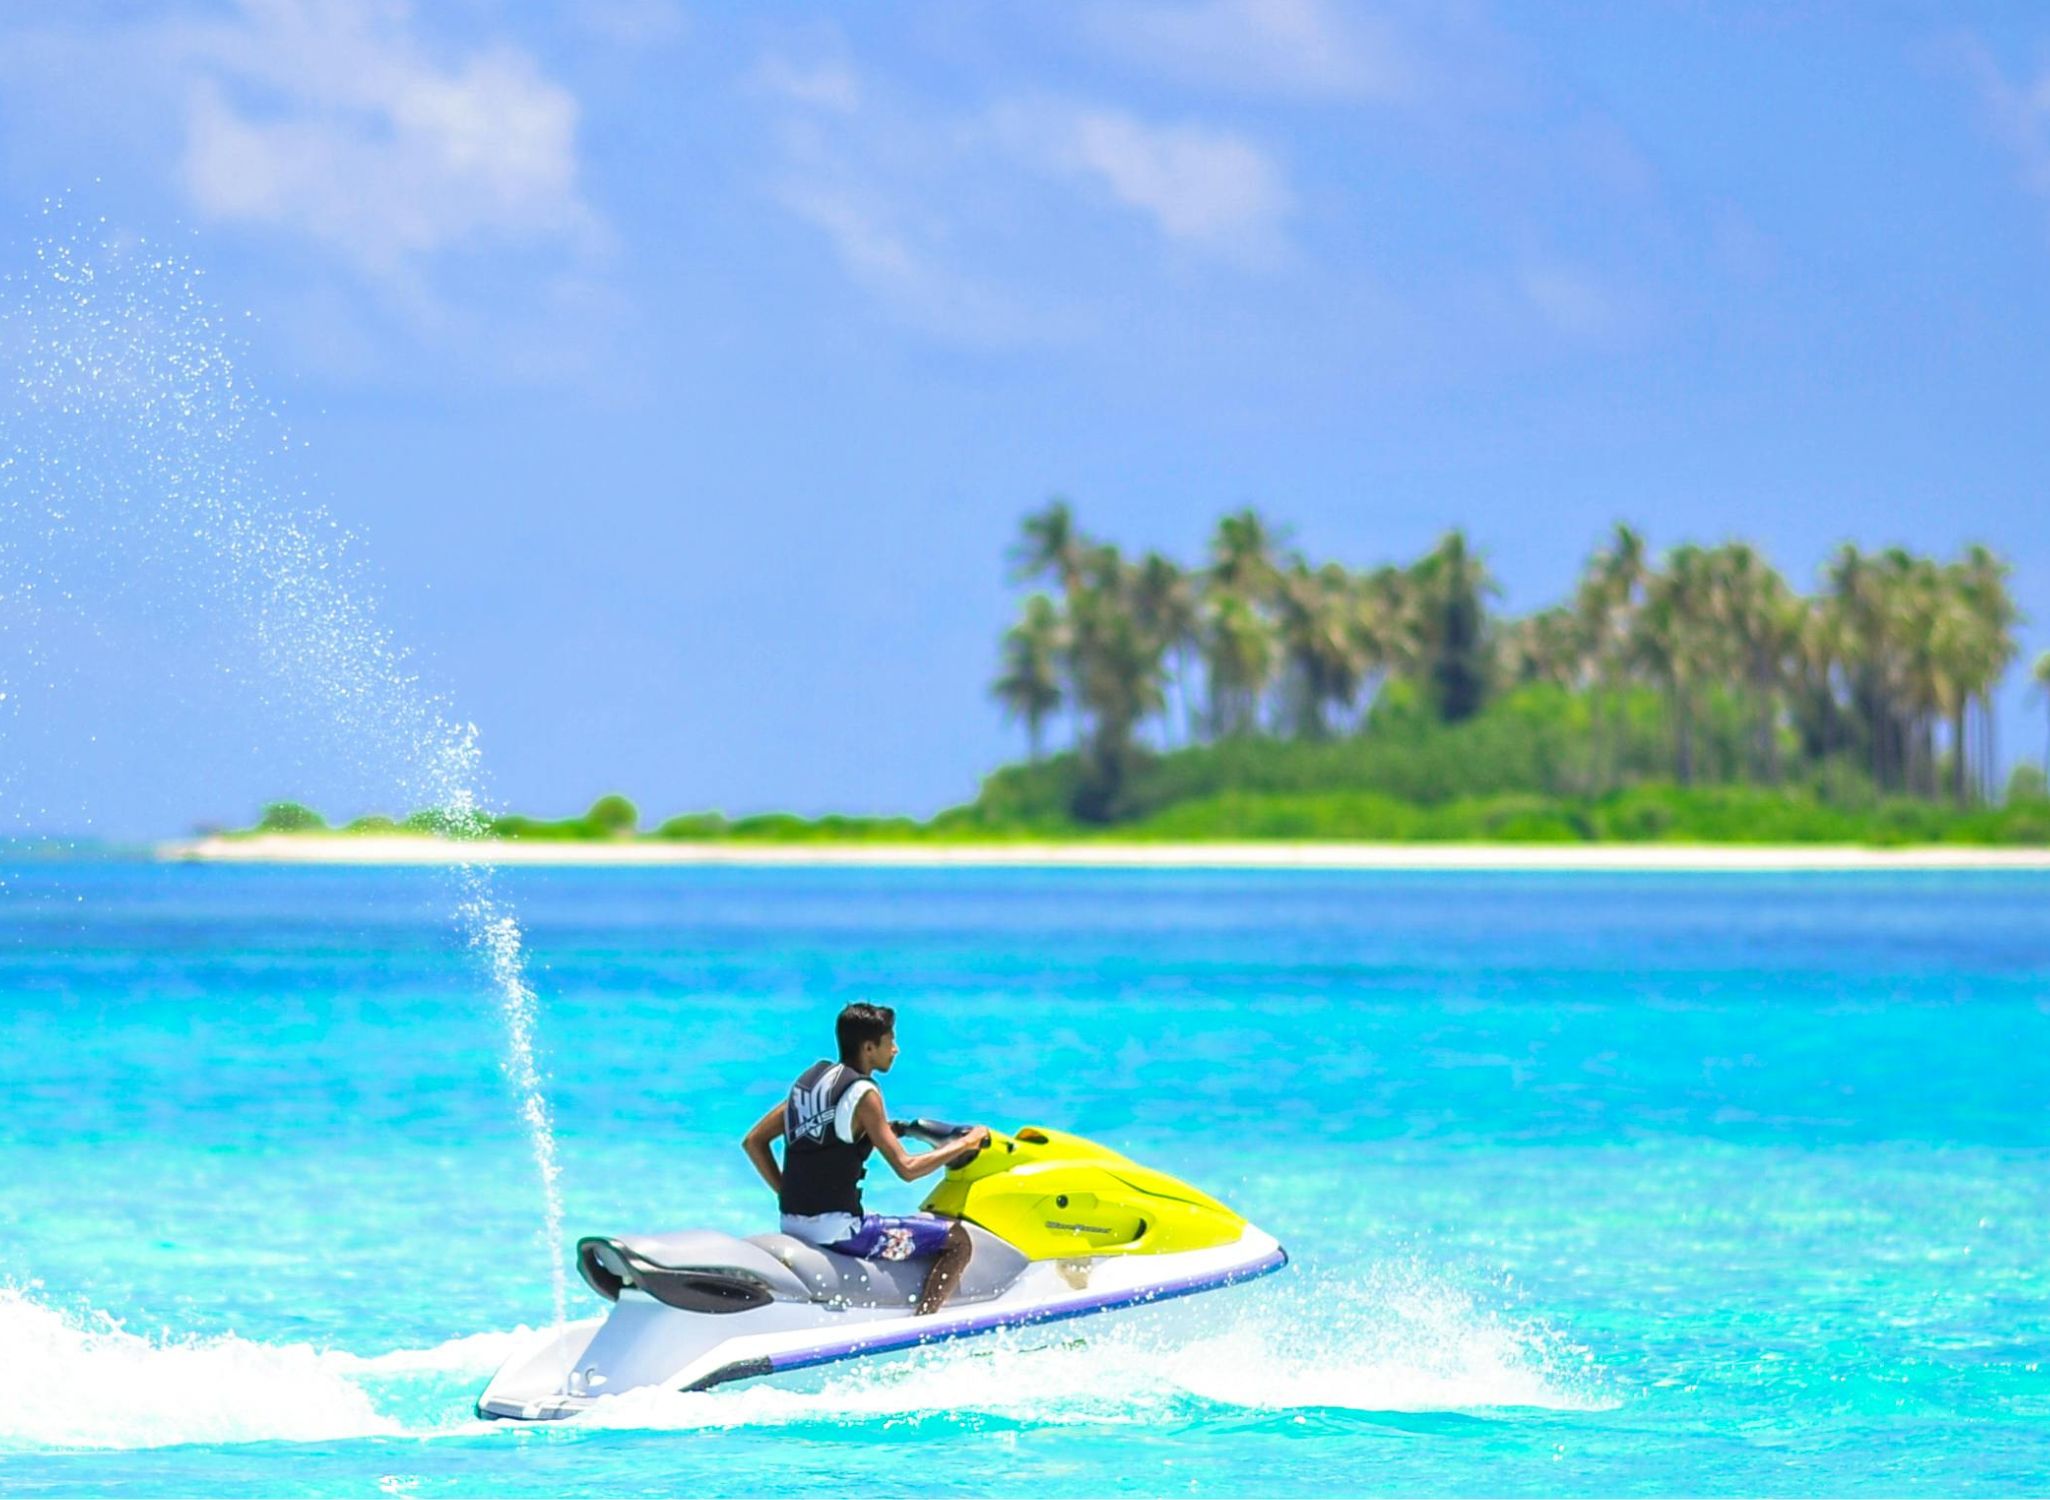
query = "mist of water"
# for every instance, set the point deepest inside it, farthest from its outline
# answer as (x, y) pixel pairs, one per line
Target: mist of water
(1397, 1340)
(134, 454)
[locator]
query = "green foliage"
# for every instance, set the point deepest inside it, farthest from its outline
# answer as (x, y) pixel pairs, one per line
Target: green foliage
(372, 823)
(1647, 814)
(451, 823)
(1706, 657)
(612, 816)
(289, 817)
(1535, 739)
(694, 827)
(833, 828)
(541, 830)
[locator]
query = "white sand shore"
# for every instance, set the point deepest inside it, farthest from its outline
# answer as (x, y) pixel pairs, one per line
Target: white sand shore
(374, 850)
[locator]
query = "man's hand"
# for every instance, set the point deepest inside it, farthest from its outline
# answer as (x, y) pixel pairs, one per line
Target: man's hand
(973, 1139)
(874, 1122)
(961, 1147)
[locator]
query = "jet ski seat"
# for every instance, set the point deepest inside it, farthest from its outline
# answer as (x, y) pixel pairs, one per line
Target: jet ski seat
(832, 1277)
(700, 1270)
(697, 1270)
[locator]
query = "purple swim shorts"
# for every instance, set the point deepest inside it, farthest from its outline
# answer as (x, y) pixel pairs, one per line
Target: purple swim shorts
(888, 1237)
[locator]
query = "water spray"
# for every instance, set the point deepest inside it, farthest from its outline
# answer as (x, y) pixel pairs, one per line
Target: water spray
(130, 434)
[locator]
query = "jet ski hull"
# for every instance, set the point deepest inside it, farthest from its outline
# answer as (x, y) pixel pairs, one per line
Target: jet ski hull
(647, 1343)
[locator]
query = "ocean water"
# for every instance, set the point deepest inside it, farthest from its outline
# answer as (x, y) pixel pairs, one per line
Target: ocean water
(1594, 1184)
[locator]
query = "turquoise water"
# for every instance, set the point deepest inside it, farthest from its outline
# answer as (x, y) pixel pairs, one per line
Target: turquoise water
(1673, 1184)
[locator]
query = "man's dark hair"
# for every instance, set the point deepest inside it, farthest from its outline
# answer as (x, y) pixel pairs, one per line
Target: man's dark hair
(861, 1022)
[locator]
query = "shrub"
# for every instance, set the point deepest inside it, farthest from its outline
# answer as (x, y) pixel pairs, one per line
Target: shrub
(289, 817)
(612, 816)
(447, 823)
(772, 827)
(562, 830)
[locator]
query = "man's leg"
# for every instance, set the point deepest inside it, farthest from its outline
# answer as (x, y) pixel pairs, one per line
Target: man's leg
(947, 1266)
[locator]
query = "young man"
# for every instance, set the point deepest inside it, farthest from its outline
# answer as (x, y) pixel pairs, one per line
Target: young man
(832, 1119)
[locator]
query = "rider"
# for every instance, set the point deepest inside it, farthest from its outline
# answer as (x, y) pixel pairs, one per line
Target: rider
(831, 1120)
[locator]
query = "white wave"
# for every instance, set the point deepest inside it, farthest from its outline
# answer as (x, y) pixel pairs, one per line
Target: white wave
(1397, 1340)
(81, 1380)
(472, 1354)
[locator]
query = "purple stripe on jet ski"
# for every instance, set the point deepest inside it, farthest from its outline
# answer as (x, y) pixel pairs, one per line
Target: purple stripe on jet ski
(911, 1339)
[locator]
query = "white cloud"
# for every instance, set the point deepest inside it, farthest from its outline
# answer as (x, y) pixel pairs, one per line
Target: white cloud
(921, 207)
(1301, 48)
(1568, 299)
(820, 85)
(1201, 186)
(1583, 305)
(336, 122)
(2018, 113)
(632, 23)
(896, 255)
(886, 191)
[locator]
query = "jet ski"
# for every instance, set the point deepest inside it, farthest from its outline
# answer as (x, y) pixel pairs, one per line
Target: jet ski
(1062, 1228)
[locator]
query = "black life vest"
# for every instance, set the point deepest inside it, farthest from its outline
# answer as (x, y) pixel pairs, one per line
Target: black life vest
(822, 1169)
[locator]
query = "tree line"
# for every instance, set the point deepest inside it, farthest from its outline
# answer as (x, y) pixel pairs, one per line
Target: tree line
(1885, 671)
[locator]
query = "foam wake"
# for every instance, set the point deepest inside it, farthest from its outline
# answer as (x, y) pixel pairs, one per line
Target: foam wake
(1388, 1340)
(81, 1380)
(1396, 1340)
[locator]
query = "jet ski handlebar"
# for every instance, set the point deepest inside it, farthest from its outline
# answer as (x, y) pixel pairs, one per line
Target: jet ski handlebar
(939, 1132)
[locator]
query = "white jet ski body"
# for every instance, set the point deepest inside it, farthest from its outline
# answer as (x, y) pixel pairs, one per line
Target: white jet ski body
(1062, 1228)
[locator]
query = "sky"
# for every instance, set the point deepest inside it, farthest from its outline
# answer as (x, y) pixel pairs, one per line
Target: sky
(682, 371)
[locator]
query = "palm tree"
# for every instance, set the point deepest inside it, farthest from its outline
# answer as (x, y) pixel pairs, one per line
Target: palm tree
(1850, 613)
(1605, 602)
(1238, 631)
(1812, 666)
(1756, 628)
(1387, 628)
(1931, 637)
(1319, 644)
(1242, 555)
(1164, 603)
(1029, 686)
(1116, 668)
(2041, 674)
(1981, 579)
(1049, 546)
(1238, 650)
(1951, 653)
(1674, 643)
(1872, 598)
(1895, 660)
(1549, 646)
(1452, 584)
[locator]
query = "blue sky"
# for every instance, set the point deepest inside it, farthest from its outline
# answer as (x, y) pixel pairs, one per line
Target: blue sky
(684, 370)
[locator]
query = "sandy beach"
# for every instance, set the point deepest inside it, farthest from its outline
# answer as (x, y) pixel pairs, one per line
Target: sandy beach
(373, 850)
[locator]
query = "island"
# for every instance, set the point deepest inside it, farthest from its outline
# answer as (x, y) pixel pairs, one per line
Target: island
(1693, 710)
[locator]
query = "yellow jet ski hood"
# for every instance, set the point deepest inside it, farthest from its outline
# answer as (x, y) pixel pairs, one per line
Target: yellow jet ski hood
(1057, 1196)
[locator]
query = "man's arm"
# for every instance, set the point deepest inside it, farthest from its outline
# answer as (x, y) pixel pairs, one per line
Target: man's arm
(756, 1144)
(874, 1121)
